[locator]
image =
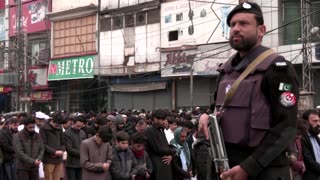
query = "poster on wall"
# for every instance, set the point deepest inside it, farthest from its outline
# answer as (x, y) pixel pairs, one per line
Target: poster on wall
(2, 4)
(210, 56)
(195, 22)
(38, 77)
(33, 17)
(177, 63)
(41, 96)
(14, 2)
(2, 29)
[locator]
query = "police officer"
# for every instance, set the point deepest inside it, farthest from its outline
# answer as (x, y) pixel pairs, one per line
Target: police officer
(259, 121)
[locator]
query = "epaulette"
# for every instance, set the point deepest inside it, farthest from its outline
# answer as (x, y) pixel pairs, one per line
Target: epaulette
(280, 65)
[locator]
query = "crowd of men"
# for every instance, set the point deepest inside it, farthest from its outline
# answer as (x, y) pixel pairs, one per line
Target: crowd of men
(118, 145)
(128, 145)
(256, 104)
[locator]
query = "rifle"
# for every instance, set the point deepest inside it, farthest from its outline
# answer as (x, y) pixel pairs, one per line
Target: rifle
(217, 149)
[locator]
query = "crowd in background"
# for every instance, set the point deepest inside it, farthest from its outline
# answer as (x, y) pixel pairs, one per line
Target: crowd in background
(127, 144)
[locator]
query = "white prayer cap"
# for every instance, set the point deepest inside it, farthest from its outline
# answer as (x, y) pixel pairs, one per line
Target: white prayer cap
(40, 115)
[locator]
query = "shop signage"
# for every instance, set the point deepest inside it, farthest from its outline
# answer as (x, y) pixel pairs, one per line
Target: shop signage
(5, 89)
(41, 96)
(38, 77)
(177, 63)
(33, 18)
(71, 68)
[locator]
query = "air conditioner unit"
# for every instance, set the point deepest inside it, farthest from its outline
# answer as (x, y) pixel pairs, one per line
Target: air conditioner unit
(9, 79)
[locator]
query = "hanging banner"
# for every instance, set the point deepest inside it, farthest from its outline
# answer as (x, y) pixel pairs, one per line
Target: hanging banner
(33, 17)
(38, 77)
(71, 68)
(41, 96)
(177, 63)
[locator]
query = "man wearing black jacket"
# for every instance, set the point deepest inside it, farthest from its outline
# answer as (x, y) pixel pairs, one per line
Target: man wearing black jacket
(259, 121)
(311, 146)
(8, 168)
(53, 140)
(29, 149)
(73, 138)
(157, 147)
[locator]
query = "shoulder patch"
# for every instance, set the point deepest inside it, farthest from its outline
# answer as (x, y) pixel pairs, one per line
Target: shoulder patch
(280, 65)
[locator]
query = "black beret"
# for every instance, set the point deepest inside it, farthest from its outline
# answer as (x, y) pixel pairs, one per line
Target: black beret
(246, 7)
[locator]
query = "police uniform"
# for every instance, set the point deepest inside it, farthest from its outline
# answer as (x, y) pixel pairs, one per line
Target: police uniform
(260, 121)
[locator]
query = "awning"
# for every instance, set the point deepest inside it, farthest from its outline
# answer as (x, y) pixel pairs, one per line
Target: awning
(139, 87)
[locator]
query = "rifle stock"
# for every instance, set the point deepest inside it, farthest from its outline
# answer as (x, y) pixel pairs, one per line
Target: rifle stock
(217, 148)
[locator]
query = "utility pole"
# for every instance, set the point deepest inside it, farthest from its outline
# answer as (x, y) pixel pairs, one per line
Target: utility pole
(307, 82)
(18, 57)
(191, 86)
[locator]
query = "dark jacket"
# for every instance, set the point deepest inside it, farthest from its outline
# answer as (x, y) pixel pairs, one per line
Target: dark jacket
(312, 166)
(145, 163)
(92, 130)
(157, 147)
(124, 165)
(6, 141)
(261, 115)
(178, 172)
(53, 141)
(1, 156)
(28, 149)
(203, 162)
(190, 142)
(73, 139)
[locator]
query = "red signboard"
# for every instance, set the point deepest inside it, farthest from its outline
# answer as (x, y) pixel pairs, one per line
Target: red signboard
(38, 77)
(41, 96)
(33, 17)
(2, 4)
(5, 89)
(14, 2)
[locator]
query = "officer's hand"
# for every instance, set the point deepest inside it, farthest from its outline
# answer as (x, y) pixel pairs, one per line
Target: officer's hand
(203, 125)
(236, 173)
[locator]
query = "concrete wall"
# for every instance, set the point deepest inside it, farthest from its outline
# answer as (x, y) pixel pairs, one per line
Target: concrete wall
(63, 5)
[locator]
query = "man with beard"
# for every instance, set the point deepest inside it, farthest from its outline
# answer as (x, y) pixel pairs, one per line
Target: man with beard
(53, 140)
(8, 168)
(73, 138)
(158, 148)
(30, 149)
(311, 145)
(256, 100)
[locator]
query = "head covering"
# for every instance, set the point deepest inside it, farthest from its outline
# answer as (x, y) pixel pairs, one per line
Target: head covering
(46, 117)
(179, 146)
(246, 7)
(40, 115)
(118, 119)
(110, 118)
(124, 116)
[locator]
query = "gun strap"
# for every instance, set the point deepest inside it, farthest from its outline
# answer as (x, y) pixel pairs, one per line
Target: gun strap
(244, 74)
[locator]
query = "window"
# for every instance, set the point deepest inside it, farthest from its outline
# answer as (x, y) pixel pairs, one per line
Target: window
(291, 12)
(141, 18)
(105, 24)
(173, 35)
(117, 22)
(74, 36)
(129, 20)
(153, 16)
